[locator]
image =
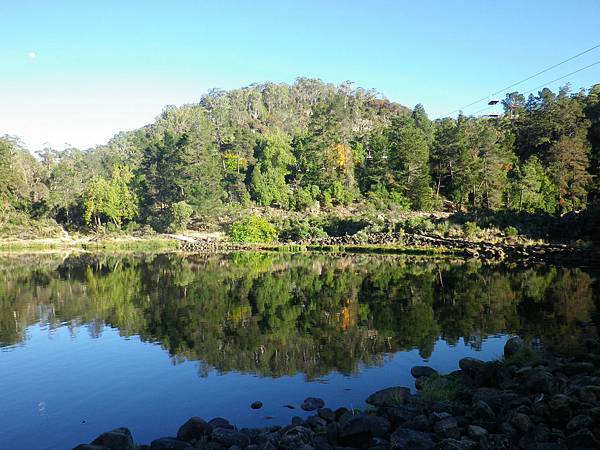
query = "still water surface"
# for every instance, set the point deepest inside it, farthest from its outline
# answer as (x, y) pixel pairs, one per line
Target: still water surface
(90, 343)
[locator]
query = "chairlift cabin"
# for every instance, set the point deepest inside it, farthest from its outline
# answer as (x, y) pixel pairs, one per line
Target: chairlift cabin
(494, 114)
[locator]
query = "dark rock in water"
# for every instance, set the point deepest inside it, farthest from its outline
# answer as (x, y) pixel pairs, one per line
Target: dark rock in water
(326, 414)
(341, 412)
(219, 422)
(403, 438)
(289, 406)
(422, 371)
(513, 345)
(194, 428)
(471, 365)
(359, 429)
(117, 439)
(256, 405)
(316, 422)
(393, 396)
(229, 437)
(297, 421)
(312, 403)
(447, 428)
(582, 439)
(90, 447)
(170, 443)
(295, 437)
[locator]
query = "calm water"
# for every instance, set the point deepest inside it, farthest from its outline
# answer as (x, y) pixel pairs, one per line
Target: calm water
(90, 343)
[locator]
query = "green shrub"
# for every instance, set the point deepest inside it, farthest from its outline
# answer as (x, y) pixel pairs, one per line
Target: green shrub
(416, 225)
(382, 198)
(299, 230)
(470, 229)
(511, 231)
(338, 226)
(305, 197)
(337, 193)
(180, 213)
(253, 229)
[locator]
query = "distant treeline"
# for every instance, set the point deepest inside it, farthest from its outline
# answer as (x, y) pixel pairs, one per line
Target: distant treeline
(310, 144)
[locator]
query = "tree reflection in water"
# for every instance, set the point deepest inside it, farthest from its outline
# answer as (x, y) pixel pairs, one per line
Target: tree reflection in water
(276, 314)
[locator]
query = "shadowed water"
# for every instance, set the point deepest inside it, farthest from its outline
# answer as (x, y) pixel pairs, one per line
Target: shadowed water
(90, 343)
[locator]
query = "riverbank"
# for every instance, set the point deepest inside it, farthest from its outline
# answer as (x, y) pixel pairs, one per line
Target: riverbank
(531, 399)
(376, 243)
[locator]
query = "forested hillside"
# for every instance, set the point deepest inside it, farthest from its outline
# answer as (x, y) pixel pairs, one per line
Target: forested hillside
(314, 146)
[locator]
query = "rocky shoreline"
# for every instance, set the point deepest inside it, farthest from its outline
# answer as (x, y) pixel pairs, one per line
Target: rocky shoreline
(407, 242)
(532, 399)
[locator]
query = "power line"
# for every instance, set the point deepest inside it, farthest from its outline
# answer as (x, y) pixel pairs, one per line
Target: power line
(560, 78)
(545, 84)
(528, 78)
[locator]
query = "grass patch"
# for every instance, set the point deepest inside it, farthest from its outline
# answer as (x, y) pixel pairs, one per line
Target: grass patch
(141, 245)
(442, 388)
(525, 356)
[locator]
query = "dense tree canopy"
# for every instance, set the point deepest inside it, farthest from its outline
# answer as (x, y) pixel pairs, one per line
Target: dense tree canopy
(312, 144)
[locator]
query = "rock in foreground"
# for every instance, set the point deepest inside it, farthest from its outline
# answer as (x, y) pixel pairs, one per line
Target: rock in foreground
(550, 402)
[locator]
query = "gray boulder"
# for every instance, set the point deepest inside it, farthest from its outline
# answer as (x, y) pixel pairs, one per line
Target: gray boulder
(295, 437)
(229, 437)
(422, 371)
(393, 396)
(194, 428)
(361, 428)
(312, 403)
(117, 439)
(513, 345)
(447, 428)
(403, 439)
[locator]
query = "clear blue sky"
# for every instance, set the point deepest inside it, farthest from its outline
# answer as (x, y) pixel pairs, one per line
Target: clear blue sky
(79, 71)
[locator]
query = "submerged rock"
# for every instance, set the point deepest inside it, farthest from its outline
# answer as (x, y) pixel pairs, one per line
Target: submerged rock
(392, 396)
(117, 439)
(256, 405)
(422, 371)
(312, 403)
